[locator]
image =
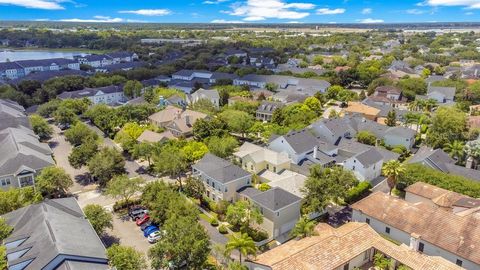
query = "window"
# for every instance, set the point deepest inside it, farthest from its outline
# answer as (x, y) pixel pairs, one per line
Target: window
(251, 167)
(421, 246)
(346, 266)
(367, 221)
(274, 169)
(26, 181)
(278, 214)
(5, 182)
(353, 169)
(459, 262)
(387, 230)
(268, 166)
(366, 255)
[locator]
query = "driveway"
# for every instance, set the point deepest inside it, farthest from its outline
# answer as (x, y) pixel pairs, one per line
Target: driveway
(61, 150)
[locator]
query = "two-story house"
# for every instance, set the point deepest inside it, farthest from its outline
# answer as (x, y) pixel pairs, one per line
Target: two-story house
(425, 227)
(221, 178)
(266, 109)
(256, 159)
(112, 94)
(178, 121)
(210, 95)
(11, 70)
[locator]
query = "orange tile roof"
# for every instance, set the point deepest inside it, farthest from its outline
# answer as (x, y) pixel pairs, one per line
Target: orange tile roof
(457, 234)
(357, 107)
(333, 248)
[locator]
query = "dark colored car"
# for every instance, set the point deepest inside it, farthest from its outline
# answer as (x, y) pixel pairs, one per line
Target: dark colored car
(142, 219)
(150, 229)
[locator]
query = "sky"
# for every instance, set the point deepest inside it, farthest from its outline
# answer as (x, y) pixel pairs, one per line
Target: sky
(243, 11)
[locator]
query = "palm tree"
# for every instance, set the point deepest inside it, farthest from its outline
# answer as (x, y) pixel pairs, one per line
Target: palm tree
(244, 244)
(303, 228)
(455, 149)
(392, 169)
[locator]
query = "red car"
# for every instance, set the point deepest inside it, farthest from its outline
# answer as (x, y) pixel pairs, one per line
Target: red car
(142, 219)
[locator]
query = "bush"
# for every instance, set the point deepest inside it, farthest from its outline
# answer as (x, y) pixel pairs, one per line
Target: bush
(257, 235)
(419, 173)
(264, 187)
(358, 192)
(223, 229)
(208, 204)
(214, 222)
(123, 204)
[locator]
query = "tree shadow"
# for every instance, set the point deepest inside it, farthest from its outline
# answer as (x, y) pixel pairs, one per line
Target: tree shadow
(84, 179)
(109, 240)
(53, 144)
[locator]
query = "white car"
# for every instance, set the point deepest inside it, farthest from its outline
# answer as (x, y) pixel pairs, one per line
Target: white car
(155, 236)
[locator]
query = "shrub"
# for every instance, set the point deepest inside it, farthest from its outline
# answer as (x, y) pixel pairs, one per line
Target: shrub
(214, 222)
(358, 192)
(366, 137)
(264, 187)
(123, 204)
(257, 235)
(223, 229)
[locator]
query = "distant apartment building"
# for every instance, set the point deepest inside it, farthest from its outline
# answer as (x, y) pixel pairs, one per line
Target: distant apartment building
(110, 95)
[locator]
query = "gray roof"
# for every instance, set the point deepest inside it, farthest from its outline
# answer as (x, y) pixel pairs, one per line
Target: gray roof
(9, 65)
(219, 169)
(43, 76)
(120, 54)
(439, 160)
(45, 62)
(275, 198)
(90, 92)
(301, 141)
(269, 107)
(206, 94)
(308, 86)
(369, 157)
(448, 92)
(22, 151)
(54, 229)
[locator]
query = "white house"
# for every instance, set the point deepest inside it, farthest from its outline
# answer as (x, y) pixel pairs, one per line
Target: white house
(210, 95)
(112, 94)
(424, 227)
(366, 165)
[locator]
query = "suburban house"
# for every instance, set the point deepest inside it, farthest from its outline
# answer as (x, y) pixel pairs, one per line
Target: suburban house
(266, 109)
(368, 112)
(186, 79)
(153, 137)
(256, 159)
(23, 156)
(271, 167)
(302, 86)
(178, 121)
(280, 209)
(439, 160)
(333, 130)
(365, 165)
(351, 246)
(441, 94)
(295, 144)
(54, 234)
(30, 66)
(112, 94)
(424, 227)
(420, 192)
(121, 57)
(388, 95)
(102, 60)
(221, 178)
(210, 95)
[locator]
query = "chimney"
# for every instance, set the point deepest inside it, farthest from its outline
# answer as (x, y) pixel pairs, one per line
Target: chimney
(315, 152)
(414, 241)
(187, 120)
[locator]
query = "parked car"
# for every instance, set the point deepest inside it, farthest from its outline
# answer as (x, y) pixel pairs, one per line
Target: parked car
(155, 236)
(150, 229)
(145, 225)
(142, 219)
(137, 211)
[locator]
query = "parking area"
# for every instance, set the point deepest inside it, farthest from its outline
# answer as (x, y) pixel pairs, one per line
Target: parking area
(126, 232)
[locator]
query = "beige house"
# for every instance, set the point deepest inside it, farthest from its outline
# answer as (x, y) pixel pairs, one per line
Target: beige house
(256, 159)
(178, 121)
(348, 247)
(152, 137)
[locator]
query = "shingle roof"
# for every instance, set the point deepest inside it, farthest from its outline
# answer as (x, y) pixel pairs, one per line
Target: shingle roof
(459, 235)
(219, 169)
(275, 199)
(448, 92)
(9, 65)
(332, 248)
(45, 62)
(301, 141)
(54, 228)
(90, 92)
(369, 157)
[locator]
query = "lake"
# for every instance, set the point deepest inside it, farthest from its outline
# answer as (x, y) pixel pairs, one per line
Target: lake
(34, 55)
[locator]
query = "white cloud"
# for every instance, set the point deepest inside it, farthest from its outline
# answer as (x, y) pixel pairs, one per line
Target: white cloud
(366, 11)
(37, 4)
(214, 2)
(295, 22)
(226, 21)
(370, 20)
(327, 11)
(415, 11)
(259, 10)
(148, 12)
(469, 13)
(100, 19)
(450, 3)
